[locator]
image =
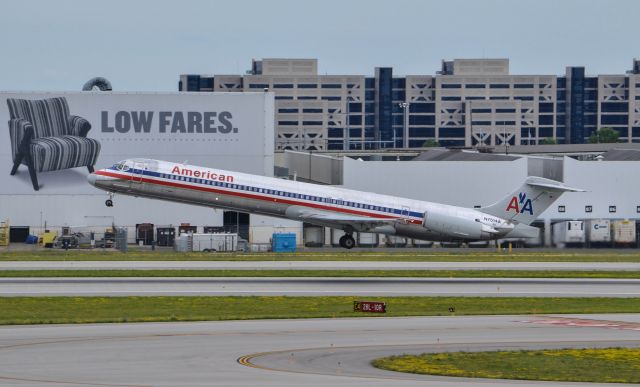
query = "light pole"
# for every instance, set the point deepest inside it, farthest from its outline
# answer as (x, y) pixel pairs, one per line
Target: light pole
(347, 133)
(405, 124)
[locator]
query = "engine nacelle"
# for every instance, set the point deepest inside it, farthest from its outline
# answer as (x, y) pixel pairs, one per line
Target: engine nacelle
(454, 226)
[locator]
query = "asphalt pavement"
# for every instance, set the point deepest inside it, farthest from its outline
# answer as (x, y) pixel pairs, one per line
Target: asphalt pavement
(320, 286)
(282, 353)
(315, 265)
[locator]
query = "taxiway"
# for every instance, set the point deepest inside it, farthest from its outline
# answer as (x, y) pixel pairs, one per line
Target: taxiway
(317, 352)
(275, 286)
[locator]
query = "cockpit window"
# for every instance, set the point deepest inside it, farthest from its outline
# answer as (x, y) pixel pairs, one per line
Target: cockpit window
(121, 166)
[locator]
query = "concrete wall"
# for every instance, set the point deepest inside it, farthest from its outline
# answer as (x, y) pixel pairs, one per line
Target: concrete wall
(452, 182)
(608, 183)
(314, 167)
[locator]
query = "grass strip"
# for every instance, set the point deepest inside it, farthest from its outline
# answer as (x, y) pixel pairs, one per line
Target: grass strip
(63, 310)
(435, 255)
(609, 365)
(324, 273)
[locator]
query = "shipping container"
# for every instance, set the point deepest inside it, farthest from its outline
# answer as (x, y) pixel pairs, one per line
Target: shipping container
(569, 233)
(598, 232)
(395, 241)
(313, 236)
(367, 239)
(623, 232)
(214, 242)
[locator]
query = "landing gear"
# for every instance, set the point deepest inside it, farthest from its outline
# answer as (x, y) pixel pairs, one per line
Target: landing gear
(347, 241)
(109, 202)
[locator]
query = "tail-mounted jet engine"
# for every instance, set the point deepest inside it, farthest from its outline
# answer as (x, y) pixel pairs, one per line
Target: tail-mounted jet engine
(457, 227)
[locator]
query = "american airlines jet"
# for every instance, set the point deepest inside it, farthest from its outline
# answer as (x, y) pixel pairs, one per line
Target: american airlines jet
(345, 209)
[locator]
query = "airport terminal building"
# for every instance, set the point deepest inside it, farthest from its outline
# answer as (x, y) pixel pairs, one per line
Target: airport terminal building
(285, 119)
(468, 102)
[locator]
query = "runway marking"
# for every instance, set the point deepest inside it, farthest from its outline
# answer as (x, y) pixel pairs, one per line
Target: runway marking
(70, 382)
(247, 360)
(587, 323)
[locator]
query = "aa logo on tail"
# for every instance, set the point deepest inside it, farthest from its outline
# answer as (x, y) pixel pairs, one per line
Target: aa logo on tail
(520, 204)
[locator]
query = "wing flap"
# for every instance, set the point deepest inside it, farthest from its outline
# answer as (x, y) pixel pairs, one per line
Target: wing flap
(333, 219)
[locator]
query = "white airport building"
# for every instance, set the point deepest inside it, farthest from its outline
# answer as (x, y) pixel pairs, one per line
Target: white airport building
(219, 130)
(471, 179)
(235, 131)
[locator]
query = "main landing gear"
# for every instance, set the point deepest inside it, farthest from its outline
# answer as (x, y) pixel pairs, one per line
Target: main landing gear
(347, 241)
(109, 202)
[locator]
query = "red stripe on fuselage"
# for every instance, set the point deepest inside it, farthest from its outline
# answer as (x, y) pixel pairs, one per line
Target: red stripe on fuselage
(139, 178)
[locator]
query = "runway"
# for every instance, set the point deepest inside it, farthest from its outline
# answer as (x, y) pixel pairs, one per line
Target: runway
(272, 286)
(314, 265)
(316, 353)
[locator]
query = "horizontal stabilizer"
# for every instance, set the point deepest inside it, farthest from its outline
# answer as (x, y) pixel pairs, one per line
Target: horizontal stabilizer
(551, 185)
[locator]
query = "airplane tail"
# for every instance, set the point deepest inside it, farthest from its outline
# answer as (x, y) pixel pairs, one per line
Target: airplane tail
(529, 201)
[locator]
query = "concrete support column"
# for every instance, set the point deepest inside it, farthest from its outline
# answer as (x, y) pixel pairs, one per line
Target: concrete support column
(327, 236)
(547, 232)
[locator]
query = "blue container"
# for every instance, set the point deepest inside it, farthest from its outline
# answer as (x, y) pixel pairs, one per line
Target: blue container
(283, 243)
(31, 239)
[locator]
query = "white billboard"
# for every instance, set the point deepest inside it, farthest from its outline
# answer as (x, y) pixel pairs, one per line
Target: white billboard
(52, 140)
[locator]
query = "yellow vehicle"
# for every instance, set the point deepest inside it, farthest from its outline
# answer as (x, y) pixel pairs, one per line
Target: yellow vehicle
(47, 238)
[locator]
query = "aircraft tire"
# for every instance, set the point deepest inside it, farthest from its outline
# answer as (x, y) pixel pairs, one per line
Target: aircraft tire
(349, 242)
(109, 203)
(341, 241)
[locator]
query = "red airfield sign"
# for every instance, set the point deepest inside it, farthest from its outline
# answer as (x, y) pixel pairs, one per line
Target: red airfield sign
(369, 307)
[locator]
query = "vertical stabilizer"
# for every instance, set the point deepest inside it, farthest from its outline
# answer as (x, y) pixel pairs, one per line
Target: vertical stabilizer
(529, 201)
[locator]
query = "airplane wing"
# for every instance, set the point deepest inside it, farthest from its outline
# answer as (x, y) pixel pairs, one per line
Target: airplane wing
(332, 219)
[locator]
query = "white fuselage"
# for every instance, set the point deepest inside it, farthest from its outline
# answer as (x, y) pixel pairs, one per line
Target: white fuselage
(354, 210)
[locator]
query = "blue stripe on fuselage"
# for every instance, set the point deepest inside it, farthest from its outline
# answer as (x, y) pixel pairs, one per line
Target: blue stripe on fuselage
(284, 194)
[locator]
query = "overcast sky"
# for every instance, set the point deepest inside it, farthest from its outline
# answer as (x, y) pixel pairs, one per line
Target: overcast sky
(146, 45)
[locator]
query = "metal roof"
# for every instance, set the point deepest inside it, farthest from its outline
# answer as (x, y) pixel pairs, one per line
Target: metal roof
(460, 155)
(622, 155)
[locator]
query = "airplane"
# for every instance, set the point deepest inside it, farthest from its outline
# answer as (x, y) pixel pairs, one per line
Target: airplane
(329, 206)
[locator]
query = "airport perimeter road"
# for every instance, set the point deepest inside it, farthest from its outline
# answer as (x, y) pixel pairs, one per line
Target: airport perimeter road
(314, 265)
(270, 353)
(274, 286)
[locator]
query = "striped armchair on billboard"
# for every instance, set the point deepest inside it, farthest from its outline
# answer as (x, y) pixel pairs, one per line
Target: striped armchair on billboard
(45, 137)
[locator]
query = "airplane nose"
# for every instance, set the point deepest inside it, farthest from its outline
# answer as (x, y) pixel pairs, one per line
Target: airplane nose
(92, 178)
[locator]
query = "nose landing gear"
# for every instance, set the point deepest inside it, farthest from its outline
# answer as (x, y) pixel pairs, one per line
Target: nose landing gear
(347, 241)
(109, 202)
